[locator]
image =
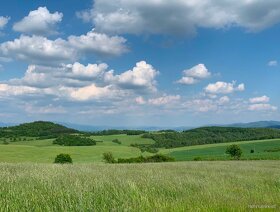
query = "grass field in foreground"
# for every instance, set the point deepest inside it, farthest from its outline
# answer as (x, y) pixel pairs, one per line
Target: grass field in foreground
(178, 186)
(43, 151)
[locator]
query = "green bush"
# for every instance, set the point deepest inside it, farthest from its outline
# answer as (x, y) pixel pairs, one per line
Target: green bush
(197, 159)
(116, 141)
(150, 159)
(74, 140)
(252, 151)
(108, 157)
(234, 151)
(63, 158)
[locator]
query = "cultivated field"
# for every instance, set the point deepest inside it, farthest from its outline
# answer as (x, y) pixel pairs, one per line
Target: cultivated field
(43, 151)
(178, 186)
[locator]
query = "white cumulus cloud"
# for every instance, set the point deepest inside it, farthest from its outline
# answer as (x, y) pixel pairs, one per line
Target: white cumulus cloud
(194, 75)
(39, 22)
(224, 88)
(181, 16)
(41, 50)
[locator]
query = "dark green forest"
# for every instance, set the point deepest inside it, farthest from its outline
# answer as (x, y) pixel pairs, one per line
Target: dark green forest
(209, 135)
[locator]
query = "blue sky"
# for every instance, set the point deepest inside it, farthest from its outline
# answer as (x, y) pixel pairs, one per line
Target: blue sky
(135, 63)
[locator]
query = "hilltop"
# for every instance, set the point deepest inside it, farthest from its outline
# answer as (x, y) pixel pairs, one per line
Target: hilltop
(36, 129)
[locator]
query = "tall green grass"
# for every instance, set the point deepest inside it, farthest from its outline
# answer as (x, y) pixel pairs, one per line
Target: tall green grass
(180, 186)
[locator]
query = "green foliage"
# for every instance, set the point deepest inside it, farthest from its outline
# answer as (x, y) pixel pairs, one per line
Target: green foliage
(74, 140)
(40, 129)
(150, 159)
(235, 151)
(197, 159)
(116, 141)
(252, 151)
(63, 158)
(108, 157)
(210, 135)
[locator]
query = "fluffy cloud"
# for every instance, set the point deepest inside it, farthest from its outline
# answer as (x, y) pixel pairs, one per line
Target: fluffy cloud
(39, 22)
(3, 21)
(80, 82)
(194, 74)
(40, 50)
(261, 104)
(224, 88)
(262, 107)
(180, 17)
(141, 77)
(261, 99)
(272, 63)
(99, 43)
(91, 92)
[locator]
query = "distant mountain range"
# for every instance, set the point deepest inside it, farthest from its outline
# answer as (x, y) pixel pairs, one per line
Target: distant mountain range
(91, 128)
(258, 124)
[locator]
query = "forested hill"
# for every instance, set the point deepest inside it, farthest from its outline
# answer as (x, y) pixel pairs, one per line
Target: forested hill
(36, 129)
(210, 135)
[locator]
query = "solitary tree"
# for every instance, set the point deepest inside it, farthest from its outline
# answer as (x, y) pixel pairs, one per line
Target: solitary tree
(108, 157)
(234, 151)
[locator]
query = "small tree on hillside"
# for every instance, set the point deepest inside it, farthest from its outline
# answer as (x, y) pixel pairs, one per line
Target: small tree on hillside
(235, 151)
(108, 157)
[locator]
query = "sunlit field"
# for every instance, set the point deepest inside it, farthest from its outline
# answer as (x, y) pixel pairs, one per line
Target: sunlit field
(179, 186)
(43, 151)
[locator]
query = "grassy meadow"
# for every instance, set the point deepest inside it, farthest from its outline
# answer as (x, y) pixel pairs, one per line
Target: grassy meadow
(31, 182)
(43, 151)
(179, 186)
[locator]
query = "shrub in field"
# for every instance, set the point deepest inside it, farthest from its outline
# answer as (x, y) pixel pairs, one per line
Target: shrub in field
(108, 157)
(63, 158)
(252, 151)
(150, 159)
(234, 151)
(197, 159)
(116, 141)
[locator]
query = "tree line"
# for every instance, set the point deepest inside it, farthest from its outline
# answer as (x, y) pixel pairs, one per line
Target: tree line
(209, 135)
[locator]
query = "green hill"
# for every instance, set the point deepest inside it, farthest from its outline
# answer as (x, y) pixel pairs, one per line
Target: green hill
(210, 135)
(36, 129)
